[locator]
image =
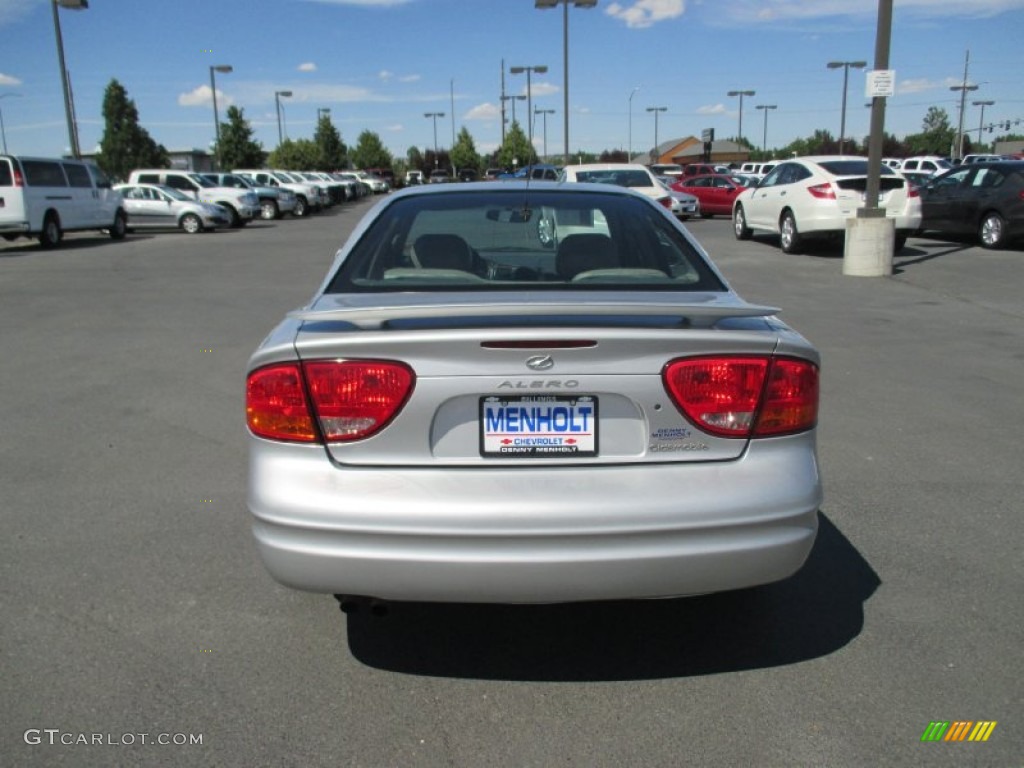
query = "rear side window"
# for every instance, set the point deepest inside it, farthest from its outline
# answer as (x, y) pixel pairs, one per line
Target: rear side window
(77, 175)
(179, 182)
(149, 178)
(43, 173)
(6, 177)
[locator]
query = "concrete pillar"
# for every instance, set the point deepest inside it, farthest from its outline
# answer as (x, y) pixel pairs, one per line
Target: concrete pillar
(869, 247)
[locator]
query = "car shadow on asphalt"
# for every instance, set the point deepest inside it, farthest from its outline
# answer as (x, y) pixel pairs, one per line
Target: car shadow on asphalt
(30, 247)
(812, 614)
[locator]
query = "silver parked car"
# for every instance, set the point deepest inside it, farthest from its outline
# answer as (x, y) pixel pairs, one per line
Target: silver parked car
(156, 206)
(530, 393)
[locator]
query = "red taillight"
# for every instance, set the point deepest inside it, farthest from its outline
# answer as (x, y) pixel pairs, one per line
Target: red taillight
(351, 399)
(823, 191)
(666, 202)
(19, 180)
(275, 404)
(913, 190)
(745, 396)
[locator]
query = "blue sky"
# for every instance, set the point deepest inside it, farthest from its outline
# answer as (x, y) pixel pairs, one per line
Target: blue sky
(379, 65)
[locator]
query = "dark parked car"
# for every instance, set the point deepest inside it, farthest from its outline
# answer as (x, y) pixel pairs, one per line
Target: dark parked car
(985, 200)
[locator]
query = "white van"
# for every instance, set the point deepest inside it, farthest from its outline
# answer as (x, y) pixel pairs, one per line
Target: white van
(241, 204)
(46, 197)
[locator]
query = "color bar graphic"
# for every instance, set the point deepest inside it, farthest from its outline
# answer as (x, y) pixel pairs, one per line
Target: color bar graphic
(958, 730)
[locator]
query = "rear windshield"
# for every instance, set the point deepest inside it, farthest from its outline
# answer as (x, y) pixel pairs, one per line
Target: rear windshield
(511, 240)
(853, 168)
(6, 178)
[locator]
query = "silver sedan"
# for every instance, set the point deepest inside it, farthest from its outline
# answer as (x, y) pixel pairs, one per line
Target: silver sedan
(162, 207)
(530, 393)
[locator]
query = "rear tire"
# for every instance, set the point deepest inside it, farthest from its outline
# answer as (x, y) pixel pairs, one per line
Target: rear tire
(901, 241)
(739, 224)
(992, 230)
(705, 215)
(789, 235)
(52, 234)
(120, 226)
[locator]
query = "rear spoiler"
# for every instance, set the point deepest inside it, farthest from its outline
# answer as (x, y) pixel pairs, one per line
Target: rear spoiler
(375, 317)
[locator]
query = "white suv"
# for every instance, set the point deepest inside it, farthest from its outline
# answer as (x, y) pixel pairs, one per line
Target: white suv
(241, 204)
(926, 164)
(46, 197)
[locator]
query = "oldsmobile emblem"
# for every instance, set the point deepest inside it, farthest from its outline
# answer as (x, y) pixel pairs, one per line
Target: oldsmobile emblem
(540, 363)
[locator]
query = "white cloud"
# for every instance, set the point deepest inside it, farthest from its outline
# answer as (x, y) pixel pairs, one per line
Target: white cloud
(409, 79)
(916, 86)
(385, 75)
(754, 11)
(715, 109)
(542, 89)
(365, 3)
(203, 96)
(485, 111)
(9, 79)
(307, 66)
(646, 13)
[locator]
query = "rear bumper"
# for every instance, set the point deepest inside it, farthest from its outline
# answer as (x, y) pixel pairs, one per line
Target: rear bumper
(534, 535)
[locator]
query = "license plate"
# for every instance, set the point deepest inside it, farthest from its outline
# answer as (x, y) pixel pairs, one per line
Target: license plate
(538, 426)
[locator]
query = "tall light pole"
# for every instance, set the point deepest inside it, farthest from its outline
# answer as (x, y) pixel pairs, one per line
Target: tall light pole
(540, 69)
(656, 110)
(741, 94)
(224, 68)
(846, 77)
(320, 112)
(3, 131)
(981, 122)
(565, 57)
(434, 115)
(963, 88)
(76, 5)
(545, 113)
(764, 136)
(513, 99)
(277, 105)
(629, 156)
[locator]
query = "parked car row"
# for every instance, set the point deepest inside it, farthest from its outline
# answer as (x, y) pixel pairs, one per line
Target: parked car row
(46, 197)
(813, 198)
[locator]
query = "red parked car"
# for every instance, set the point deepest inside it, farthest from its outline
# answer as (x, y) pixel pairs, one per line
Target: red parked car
(715, 192)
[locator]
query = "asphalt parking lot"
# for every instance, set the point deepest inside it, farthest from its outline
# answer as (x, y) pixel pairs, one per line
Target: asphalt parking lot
(133, 601)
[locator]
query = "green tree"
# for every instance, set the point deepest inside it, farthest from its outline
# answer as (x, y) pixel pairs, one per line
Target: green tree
(464, 154)
(937, 135)
(369, 152)
(333, 152)
(414, 159)
(295, 155)
(126, 145)
(238, 149)
(516, 147)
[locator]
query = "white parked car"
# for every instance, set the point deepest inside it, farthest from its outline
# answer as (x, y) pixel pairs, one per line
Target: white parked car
(926, 164)
(631, 175)
(46, 197)
(153, 206)
(684, 205)
(815, 196)
(242, 205)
